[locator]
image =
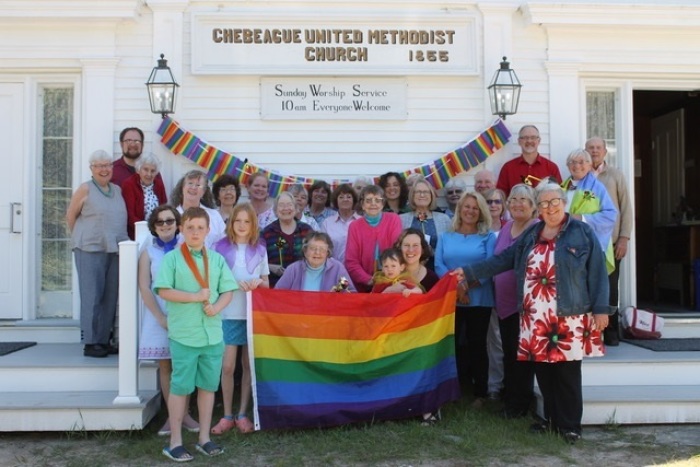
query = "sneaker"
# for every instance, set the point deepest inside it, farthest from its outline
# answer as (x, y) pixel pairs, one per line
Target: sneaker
(165, 429)
(223, 426)
(244, 425)
(570, 436)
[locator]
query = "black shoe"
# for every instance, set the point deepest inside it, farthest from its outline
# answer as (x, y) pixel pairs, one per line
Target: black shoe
(112, 349)
(570, 436)
(95, 351)
(540, 428)
(610, 337)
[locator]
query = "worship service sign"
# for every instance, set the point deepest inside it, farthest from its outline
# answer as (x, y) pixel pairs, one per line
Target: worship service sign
(309, 42)
(332, 98)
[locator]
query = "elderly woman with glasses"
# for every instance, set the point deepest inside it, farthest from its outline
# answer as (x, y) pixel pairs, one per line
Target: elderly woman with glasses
(496, 200)
(369, 236)
(301, 197)
(284, 237)
(143, 191)
(424, 215)
(96, 218)
(562, 297)
(318, 271)
(588, 200)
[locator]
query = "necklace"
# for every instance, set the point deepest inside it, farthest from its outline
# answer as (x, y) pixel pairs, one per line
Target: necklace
(107, 193)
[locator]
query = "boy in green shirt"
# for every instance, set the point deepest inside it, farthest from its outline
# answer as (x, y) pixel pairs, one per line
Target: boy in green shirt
(196, 284)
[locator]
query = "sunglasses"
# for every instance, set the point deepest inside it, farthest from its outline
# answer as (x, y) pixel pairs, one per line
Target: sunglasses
(494, 201)
(161, 223)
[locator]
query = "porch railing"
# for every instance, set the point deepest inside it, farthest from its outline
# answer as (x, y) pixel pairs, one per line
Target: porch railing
(130, 305)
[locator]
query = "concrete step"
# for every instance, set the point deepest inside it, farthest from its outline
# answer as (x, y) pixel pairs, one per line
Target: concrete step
(75, 411)
(48, 331)
(62, 367)
(629, 365)
(641, 404)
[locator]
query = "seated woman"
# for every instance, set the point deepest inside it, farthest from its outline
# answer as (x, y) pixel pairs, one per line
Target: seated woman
(143, 191)
(227, 192)
(284, 237)
(193, 191)
(318, 271)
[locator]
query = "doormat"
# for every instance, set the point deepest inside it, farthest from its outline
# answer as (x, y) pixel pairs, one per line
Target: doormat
(9, 347)
(667, 345)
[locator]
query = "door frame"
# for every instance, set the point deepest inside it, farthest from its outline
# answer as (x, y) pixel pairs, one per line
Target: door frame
(624, 89)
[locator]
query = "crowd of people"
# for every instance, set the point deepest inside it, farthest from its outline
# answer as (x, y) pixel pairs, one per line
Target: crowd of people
(536, 259)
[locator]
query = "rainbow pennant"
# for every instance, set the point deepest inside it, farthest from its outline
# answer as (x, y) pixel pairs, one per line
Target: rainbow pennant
(325, 359)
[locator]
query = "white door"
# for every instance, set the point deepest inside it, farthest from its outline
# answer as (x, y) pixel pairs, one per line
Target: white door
(12, 158)
(668, 156)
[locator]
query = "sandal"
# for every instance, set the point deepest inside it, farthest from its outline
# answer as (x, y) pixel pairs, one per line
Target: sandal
(223, 426)
(244, 425)
(210, 448)
(177, 454)
(431, 419)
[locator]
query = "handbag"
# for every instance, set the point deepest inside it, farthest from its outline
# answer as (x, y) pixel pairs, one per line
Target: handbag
(641, 324)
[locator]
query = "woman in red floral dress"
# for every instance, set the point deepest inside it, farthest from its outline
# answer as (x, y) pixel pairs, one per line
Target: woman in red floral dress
(562, 285)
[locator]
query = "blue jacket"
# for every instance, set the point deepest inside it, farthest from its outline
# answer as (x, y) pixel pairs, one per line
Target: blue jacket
(582, 280)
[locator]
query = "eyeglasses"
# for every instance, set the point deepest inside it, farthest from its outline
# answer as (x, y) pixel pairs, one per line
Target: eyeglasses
(422, 193)
(132, 141)
(494, 201)
(578, 162)
(552, 202)
(162, 222)
(373, 200)
(317, 249)
(528, 138)
(454, 192)
(101, 166)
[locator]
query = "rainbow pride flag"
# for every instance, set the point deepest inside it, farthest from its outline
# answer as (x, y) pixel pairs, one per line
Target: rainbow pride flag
(322, 359)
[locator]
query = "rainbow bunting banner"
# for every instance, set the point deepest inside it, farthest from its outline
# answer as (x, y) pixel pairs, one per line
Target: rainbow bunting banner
(321, 359)
(218, 162)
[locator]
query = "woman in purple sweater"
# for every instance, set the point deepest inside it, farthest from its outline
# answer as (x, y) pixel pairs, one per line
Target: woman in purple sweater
(518, 376)
(369, 236)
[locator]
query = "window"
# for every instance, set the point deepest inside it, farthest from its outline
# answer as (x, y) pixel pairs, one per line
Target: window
(600, 120)
(56, 191)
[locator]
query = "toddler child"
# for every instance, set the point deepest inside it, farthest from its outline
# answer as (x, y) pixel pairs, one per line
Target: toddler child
(393, 277)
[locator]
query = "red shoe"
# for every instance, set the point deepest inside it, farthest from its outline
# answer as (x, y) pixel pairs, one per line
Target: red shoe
(223, 426)
(244, 425)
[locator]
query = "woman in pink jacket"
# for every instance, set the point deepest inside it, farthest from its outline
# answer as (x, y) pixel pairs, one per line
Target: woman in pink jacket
(369, 236)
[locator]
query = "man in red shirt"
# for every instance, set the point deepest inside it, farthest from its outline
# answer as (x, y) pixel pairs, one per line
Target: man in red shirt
(131, 141)
(530, 167)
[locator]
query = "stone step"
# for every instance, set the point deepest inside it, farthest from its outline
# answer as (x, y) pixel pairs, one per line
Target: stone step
(75, 411)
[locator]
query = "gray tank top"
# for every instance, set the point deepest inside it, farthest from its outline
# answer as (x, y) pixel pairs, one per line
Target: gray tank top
(101, 224)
